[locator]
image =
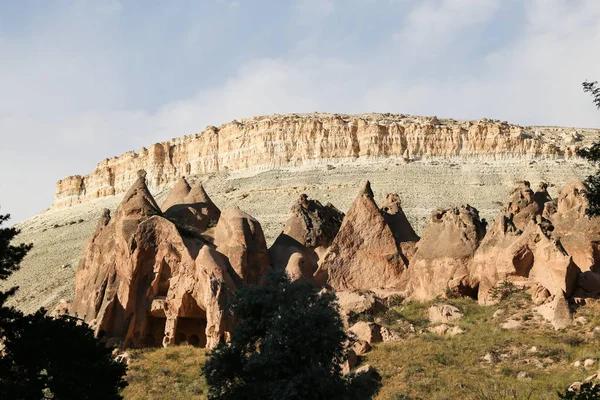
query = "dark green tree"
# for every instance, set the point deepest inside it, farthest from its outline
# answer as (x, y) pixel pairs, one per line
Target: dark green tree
(48, 358)
(288, 343)
(592, 154)
(587, 391)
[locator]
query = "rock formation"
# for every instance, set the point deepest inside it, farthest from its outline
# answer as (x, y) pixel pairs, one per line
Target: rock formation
(444, 254)
(365, 253)
(287, 140)
(520, 246)
(190, 208)
(148, 279)
(306, 235)
(240, 238)
(144, 282)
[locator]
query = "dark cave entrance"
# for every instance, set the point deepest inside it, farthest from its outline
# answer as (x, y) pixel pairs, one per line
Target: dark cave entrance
(155, 331)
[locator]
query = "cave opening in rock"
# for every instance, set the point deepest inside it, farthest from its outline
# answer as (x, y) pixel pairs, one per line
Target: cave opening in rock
(191, 323)
(191, 330)
(468, 291)
(523, 261)
(155, 331)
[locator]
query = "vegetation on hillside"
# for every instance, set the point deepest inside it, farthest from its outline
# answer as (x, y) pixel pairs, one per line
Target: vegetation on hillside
(592, 154)
(288, 343)
(47, 358)
(486, 362)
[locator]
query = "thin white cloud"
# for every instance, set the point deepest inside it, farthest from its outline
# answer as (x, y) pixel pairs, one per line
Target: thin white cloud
(434, 23)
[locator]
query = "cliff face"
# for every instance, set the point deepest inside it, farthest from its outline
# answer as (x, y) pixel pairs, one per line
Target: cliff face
(290, 140)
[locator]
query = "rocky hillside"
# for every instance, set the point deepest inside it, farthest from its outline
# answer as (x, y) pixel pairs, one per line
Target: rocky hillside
(293, 140)
(430, 163)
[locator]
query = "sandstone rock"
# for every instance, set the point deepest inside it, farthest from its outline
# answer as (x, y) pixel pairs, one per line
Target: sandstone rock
(444, 253)
(367, 374)
(240, 238)
(589, 282)
(298, 260)
(589, 362)
(287, 139)
(511, 324)
(312, 224)
(520, 244)
(445, 330)
(190, 209)
(177, 194)
(350, 362)
(367, 331)
(578, 233)
(388, 335)
(364, 253)
(361, 347)
(556, 312)
(358, 302)
(139, 280)
(523, 376)
(539, 294)
(405, 236)
(444, 313)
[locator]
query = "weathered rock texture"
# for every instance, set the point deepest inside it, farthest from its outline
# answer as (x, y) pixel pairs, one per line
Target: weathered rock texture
(148, 279)
(306, 235)
(190, 208)
(291, 140)
(444, 254)
(520, 245)
(147, 282)
(365, 253)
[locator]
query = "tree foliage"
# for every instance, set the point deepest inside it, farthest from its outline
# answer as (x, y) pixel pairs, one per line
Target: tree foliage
(593, 89)
(587, 391)
(288, 343)
(592, 154)
(48, 358)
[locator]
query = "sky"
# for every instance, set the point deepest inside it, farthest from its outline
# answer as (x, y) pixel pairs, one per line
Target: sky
(81, 81)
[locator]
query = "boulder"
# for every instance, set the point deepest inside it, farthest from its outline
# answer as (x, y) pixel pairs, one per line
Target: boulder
(439, 313)
(361, 347)
(358, 303)
(557, 312)
(445, 330)
(389, 335)
(589, 282)
(367, 331)
(240, 238)
(350, 362)
(364, 253)
(444, 253)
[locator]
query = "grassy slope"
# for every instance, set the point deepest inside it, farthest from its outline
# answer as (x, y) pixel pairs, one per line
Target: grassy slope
(426, 366)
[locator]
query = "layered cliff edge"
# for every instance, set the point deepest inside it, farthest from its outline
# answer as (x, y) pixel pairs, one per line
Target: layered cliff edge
(278, 141)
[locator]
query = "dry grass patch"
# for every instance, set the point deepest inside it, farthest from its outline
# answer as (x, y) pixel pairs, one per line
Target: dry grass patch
(173, 373)
(432, 367)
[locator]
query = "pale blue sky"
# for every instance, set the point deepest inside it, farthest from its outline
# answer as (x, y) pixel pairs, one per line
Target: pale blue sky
(81, 81)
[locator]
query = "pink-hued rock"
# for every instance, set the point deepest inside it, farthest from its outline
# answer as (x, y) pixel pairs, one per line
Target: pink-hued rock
(140, 281)
(364, 253)
(444, 254)
(240, 238)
